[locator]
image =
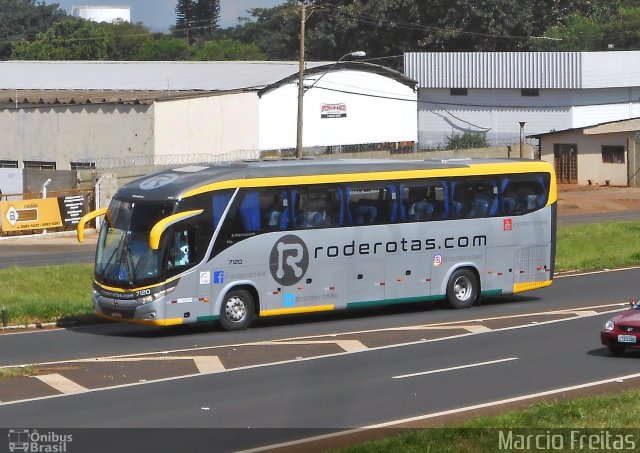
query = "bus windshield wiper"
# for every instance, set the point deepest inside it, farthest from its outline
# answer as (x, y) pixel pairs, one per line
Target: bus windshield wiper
(108, 265)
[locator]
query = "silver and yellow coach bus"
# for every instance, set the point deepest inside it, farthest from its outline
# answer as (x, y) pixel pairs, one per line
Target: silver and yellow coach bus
(234, 241)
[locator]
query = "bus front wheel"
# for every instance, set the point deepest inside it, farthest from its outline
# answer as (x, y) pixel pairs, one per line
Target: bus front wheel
(237, 310)
(462, 289)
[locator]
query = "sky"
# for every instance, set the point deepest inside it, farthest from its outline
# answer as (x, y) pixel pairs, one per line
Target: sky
(159, 15)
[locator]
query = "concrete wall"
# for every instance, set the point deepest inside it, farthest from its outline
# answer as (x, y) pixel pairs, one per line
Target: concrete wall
(590, 165)
(67, 134)
(19, 181)
(376, 109)
(214, 125)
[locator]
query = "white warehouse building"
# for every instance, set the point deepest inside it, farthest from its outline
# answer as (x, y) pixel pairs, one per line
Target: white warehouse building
(102, 13)
(492, 92)
(107, 114)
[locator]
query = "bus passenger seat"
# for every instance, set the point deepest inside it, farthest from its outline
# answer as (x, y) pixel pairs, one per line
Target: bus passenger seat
(422, 210)
(365, 214)
(480, 207)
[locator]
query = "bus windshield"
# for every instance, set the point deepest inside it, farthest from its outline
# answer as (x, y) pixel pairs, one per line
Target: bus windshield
(123, 256)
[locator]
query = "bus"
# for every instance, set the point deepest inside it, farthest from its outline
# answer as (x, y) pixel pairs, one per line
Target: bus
(231, 242)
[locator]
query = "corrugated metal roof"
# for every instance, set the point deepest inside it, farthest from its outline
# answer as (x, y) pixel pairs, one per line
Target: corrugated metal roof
(11, 98)
(517, 70)
(495, 69)
(129, 76)
(607, 127)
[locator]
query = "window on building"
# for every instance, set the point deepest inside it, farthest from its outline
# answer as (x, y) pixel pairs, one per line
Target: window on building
(83, 165)
(613, 154)
(39, 165)
(458, 91)
(530, 92)
(8, 164)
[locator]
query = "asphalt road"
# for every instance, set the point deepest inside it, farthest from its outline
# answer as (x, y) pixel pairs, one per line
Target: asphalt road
(335, 392)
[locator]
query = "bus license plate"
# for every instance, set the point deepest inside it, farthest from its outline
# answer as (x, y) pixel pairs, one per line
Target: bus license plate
(626, 339)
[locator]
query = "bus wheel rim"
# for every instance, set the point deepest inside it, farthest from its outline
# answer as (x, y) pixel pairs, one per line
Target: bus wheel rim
(462, 288)
(236, 309)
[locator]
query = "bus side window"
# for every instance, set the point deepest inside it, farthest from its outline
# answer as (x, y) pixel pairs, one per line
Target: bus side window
(423, 201)
(522, 194)
(318, 207)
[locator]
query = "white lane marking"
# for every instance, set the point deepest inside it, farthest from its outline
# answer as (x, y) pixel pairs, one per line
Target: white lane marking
(208, 364)
(582, 312)
(470, 328)
(351, 345)
(61, 384)
(461, 367)
(401, 422)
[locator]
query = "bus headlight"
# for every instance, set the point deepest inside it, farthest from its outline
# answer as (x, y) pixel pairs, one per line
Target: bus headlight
(609, 325)
(151, 297)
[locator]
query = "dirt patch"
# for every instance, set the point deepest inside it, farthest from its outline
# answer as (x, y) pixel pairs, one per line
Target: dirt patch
(574, 199)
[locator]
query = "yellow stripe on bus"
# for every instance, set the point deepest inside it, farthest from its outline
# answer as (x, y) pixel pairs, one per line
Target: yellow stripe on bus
(473, 170)
(521, 287)
(296, 310)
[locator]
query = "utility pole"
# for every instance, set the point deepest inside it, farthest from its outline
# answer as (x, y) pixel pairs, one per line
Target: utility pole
(303, 19)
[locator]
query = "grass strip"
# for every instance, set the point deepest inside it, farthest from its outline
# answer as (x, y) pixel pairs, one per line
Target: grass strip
(46, 294)
(11, 372)
(589, 416)
(605, 245)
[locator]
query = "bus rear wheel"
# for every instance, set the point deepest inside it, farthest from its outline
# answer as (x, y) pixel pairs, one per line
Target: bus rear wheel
(237, 310)
(462, 288)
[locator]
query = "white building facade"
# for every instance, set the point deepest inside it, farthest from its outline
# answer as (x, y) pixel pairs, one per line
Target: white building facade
(102, 13)
(490, 93)
(109, 114)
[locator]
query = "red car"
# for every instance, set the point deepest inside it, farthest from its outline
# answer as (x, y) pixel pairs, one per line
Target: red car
(623, 330)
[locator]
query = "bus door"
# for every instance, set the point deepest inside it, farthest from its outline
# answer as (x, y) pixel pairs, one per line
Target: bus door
(190, 299)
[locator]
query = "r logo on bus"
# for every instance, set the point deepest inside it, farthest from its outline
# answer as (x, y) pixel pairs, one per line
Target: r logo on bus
(289, 260)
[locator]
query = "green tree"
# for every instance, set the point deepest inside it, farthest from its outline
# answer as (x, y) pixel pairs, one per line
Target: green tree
(169, 49)
(69, 39)
(379, 27)
(185, 18)
(197, 20)
(274, 30)
(207, 14)
(125, 39)
(577, 34)
(227, 49)
(23, 20)
(619, 30)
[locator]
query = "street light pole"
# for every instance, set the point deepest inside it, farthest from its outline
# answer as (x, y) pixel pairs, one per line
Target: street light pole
(302, 90)
(522, 123)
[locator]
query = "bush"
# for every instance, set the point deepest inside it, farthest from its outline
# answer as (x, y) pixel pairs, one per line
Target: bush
(466, 141)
